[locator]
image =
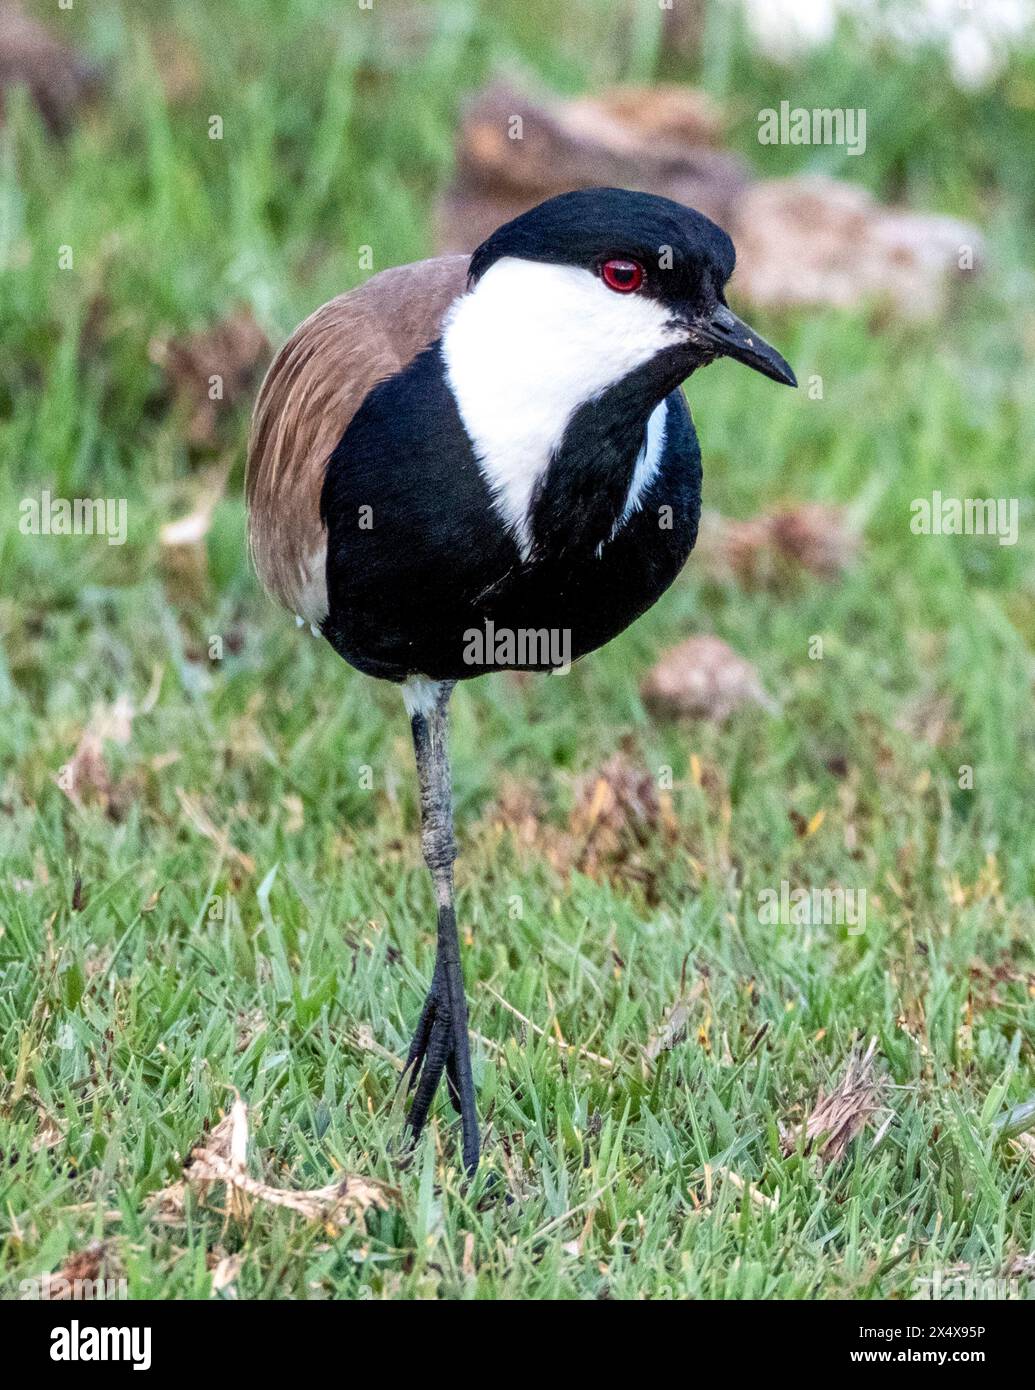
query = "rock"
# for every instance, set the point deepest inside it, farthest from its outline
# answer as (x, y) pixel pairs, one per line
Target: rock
(665, 112)
(816, 537)
(703, 678)
(57, 77)
(766, 551)
(814, 241)
(514, 151)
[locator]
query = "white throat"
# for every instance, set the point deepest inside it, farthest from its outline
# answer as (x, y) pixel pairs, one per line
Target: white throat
(523, 350)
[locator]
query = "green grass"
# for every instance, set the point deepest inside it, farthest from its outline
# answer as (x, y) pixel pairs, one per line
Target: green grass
(130, 1012)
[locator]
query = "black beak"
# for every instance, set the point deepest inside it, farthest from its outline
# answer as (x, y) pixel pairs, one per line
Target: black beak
(727, 336)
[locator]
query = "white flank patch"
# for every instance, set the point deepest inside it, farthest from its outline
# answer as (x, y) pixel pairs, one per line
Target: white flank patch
(648, 461)
(420, 694)
(529, 345)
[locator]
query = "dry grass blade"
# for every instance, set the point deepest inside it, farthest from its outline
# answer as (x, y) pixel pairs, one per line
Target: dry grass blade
(203, 824)
(224, 1274)
(755, 1194)
(48, 1132)
(673, 1028)
(222, 1159)
(838, 1116)
(584, 1052)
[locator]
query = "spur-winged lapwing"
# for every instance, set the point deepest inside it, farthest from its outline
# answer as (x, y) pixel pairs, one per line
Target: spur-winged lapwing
(492, 445)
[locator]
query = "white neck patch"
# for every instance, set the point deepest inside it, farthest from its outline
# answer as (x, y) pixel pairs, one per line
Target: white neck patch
(529, 345)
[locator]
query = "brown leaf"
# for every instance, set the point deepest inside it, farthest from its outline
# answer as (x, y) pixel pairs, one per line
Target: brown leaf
(85, 1263)
(58, 79)
(85, 778)
(620, 796)
(616, 808)
(837, 1117)
(813, 240)
(213, 370)
(816, 537)
(617, 811)
(78, 1276)
(703, 678)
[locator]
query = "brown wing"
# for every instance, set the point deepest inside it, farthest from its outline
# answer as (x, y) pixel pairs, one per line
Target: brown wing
(315, 385)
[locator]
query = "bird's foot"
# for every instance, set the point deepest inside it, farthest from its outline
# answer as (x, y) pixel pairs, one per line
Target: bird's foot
(439, 1045)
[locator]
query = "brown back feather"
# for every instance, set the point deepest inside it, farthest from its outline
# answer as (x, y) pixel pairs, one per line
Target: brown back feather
(315, 385)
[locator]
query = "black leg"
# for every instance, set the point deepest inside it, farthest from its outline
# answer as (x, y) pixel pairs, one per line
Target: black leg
(440, 1043)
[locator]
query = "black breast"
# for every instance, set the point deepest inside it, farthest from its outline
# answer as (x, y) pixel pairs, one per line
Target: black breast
(422, 575)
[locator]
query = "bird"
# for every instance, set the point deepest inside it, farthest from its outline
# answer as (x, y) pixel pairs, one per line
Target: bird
(485, 462)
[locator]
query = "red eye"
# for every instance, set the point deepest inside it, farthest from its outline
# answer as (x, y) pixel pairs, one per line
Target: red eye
(622, 276)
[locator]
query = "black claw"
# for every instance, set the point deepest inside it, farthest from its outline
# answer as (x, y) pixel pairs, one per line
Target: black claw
(434, 1062)
(440, 1044)
(419, 1045)
(453, 1084)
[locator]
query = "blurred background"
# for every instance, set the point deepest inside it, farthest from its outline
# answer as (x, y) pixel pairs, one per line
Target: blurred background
(180, 184)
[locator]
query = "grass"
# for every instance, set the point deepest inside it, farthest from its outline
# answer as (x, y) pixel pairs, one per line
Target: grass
(186, 965)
